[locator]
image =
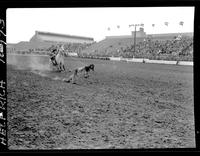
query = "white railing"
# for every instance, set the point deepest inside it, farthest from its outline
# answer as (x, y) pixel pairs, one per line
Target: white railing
(73, 54)
(141, 60)
(115, 58)
(186, 63)
(161, 61)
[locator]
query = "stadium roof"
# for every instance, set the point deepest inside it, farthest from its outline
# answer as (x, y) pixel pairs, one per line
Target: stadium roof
(153, 35)
(63, 35)
(171, 34)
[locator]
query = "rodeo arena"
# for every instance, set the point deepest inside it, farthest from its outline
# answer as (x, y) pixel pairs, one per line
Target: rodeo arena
(123, 92)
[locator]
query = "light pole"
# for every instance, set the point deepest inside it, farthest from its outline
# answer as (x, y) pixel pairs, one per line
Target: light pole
(181, 24)
(135, 25)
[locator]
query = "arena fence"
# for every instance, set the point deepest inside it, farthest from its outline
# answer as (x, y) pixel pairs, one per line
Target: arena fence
(185, 63)
(161, 62)
(142, 60)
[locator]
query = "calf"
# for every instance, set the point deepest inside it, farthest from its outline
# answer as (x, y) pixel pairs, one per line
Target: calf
(84, 69)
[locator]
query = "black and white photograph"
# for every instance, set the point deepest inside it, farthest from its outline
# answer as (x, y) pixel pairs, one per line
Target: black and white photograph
(100, 78)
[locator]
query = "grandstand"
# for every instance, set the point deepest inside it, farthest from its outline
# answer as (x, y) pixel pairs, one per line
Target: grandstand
(61, 38)
(110, 45)
(171, 46)
(42, 41)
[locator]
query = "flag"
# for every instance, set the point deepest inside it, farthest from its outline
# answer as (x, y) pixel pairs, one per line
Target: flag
(181, 23)
(166, 23)
(1, 115)
(153, 25)
(1, 48)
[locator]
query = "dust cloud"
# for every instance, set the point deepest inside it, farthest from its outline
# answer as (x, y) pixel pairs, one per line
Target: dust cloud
(36, 64)
(31, 63)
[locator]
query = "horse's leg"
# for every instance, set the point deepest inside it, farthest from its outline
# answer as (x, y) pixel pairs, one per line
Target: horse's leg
(64, 67)
(59, 69)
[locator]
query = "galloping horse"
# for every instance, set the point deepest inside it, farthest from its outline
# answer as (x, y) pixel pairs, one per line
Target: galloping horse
(58, 59)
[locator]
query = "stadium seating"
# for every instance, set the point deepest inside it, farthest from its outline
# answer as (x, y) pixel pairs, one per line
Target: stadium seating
(159, 48)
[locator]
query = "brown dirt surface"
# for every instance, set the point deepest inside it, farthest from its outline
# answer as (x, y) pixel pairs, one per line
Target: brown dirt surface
(121, 105)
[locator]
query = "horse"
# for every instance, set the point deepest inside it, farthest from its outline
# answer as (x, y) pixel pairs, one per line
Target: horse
(57, 60)
(60, 59)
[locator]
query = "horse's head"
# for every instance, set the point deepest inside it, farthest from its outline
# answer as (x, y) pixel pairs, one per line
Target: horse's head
(61, 50)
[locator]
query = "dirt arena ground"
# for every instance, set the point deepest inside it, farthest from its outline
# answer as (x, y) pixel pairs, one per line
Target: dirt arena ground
(120, 106)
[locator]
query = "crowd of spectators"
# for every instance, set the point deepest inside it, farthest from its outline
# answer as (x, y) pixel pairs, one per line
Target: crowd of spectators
(68, 47)
(179, 48)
